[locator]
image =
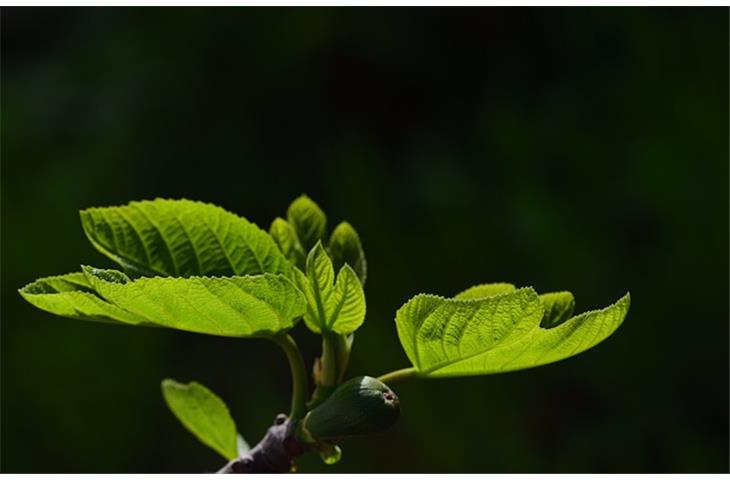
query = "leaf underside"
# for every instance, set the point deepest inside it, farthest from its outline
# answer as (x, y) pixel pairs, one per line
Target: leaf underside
(248, 306)
(181, 238)
(253, 305)
(559, 308)
(498, 333)
(204, 414)
(72, 296)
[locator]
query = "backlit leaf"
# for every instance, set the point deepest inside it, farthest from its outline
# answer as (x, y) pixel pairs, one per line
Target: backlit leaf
(345, 248)
(72, 296)
(458, 337)
(559, 308)
(332, 305)
(308, 220)
(249, 306)
(286, 239)
(181, 238)
(485, 290)
(204, 414)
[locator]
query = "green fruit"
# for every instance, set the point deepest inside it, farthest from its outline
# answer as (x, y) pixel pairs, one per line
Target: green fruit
(360, 406)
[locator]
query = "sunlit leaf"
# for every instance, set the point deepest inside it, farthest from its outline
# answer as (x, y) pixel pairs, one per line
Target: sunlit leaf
(345, 248)
(286, 239)
(249, 306)
(485, 290)
(459, 337)
(181, 238)
(72, 296)
(204, 414)
(559, 308)
(308, 221)
(332, 305)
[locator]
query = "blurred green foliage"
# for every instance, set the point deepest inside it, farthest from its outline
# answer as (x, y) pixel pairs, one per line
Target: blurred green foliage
(579, 149)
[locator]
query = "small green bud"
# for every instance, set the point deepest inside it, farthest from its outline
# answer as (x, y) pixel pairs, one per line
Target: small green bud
(286, 239)
(308, 221)
(345, 248)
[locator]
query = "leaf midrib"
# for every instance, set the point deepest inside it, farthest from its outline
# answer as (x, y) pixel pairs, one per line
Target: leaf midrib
(162, 236)
(341, 303)
(318, 300)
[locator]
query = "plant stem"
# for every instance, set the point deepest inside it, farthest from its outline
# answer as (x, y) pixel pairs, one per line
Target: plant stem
(273, 454)
(398, 375)
(329, 360)
(332, 366)
(343, 344)
(335, 357)
(300, 384)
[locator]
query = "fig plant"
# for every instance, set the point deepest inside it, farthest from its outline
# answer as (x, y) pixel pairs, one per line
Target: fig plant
(196, 267)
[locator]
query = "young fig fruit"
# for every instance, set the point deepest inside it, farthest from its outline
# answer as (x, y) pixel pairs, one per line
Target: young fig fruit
(360, 406)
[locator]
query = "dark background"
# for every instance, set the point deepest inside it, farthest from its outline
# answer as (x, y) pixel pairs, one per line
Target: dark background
(580, 149)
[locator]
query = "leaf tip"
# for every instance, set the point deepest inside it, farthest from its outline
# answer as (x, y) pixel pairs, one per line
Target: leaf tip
(344, 226)
(627, 300)
(348, 269)
(304, 201)
(169, 384)
(277, 223)
(317, 251)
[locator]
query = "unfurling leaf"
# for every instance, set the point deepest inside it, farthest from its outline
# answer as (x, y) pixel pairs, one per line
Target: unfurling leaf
(345, 248)
(249, 306)
(286, 239)
(459, 337)
(332, 305)
(181, 238)
(308, 221)
(204, 414)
